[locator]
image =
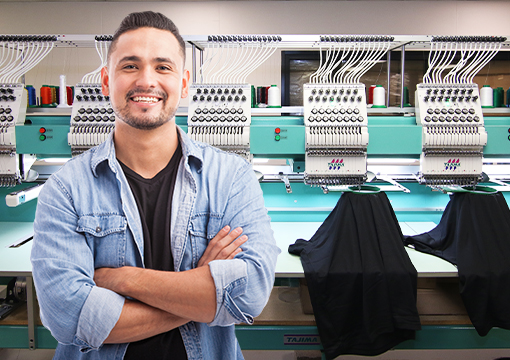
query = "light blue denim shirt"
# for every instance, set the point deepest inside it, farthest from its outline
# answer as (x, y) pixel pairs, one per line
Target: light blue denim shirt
(87, 218)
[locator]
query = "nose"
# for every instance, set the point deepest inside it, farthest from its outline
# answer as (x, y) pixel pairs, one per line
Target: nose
(146, 78)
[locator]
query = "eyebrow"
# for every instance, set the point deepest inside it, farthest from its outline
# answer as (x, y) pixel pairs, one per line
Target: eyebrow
(129, 58)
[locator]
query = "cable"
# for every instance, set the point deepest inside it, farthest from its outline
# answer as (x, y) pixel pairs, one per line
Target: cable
(263, 57)
(463, 74)
(490, 55)
(216, 64)
(475, 54)
(12, 64)
(33, 58)
(426, 77)
(223, 66)
(313, 76)
(94, 76)
(339, 72)
(204, 65)
(338, 63)
(371, 60)
(327, 64)
(448, 61)
(238, 60)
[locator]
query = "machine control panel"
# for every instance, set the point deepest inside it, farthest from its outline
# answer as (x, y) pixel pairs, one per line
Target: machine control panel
(336, 134)
(220, 115)
(10, 104)
(453, 133)
(92, 118)
(456, 104)
(13, 108)
(219, 104)
(334, 105)
(91, 106)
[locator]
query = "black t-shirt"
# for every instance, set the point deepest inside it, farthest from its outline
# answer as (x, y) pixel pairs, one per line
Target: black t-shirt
(473, 234)
(154, 200)
(361, 282)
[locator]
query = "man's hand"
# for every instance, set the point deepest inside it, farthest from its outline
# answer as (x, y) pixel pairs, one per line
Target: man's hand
(187, 294)
(223, 246)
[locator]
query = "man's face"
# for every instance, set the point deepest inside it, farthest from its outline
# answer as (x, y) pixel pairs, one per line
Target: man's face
(145, 78)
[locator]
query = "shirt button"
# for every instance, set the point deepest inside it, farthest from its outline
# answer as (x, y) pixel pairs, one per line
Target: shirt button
(98, 229)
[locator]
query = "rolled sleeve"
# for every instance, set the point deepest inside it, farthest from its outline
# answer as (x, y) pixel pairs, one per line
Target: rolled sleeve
(243, 285)
(98, 316)
(230, 279)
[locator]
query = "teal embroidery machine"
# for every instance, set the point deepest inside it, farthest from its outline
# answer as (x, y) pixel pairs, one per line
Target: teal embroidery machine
(343, 136)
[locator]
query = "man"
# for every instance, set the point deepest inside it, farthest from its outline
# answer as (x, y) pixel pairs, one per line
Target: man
(133, 256)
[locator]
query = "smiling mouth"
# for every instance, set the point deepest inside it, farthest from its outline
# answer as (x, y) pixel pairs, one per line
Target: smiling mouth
(145, 99)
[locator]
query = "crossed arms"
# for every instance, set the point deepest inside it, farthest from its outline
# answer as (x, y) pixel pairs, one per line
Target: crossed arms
(167, 300)
(85, 307)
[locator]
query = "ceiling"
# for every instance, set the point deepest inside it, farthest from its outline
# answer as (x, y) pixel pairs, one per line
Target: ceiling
(215, 0)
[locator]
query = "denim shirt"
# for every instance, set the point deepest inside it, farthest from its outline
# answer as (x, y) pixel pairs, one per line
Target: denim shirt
(87, 218)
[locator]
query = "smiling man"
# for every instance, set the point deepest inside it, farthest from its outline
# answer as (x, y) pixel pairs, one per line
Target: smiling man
(151, 245)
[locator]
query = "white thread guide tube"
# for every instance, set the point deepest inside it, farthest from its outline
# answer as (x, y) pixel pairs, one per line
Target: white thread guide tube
(63, 93)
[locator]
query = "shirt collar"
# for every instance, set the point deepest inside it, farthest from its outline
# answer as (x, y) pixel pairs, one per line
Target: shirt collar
(190, 150)
(106, 151)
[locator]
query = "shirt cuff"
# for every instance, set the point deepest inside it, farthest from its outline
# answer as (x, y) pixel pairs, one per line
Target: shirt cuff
(231, 281)
(98, 316)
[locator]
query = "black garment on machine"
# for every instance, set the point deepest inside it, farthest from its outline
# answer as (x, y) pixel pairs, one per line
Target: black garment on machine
(154, 200)
(474, 234)
(362, 284)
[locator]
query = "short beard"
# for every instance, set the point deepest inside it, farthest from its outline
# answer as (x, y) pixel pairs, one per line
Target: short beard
(145, 122)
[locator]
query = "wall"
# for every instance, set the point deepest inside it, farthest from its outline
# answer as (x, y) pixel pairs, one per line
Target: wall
(286, 17)
(232, 17)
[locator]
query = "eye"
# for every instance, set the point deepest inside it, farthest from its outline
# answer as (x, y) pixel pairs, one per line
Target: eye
(164, 68)
(129, 67)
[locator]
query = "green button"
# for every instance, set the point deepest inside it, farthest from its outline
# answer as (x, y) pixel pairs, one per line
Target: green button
(42, 137)
(277, 137)
(508, 137)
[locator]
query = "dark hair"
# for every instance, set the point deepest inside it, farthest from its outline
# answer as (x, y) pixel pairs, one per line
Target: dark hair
(148, 19)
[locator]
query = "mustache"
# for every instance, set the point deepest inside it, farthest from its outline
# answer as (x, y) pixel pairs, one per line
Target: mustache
(140, 91)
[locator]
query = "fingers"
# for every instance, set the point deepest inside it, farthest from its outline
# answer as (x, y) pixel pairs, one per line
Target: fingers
(233, 255)
(209, 251)
(225, 245)
(222, 241)
(234, 246)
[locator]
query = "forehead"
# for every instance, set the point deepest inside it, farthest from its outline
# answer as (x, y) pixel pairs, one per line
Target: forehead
(147, 43)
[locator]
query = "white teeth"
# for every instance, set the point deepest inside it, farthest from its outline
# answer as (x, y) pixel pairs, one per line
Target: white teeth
(145, 99)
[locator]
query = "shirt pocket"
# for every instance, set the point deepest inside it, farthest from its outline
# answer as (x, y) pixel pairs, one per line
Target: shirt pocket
(203, 227)
(106, 237)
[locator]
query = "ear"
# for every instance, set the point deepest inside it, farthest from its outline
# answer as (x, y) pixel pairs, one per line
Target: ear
(185, 84)
(105, 81)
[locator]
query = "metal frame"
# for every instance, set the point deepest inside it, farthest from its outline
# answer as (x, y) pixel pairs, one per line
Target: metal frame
(30, 329)
(199, 42)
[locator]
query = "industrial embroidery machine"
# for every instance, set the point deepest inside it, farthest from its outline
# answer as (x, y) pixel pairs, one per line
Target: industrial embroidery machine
(306, 157)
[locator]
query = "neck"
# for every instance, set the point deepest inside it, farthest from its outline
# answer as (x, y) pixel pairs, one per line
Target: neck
(146, 152)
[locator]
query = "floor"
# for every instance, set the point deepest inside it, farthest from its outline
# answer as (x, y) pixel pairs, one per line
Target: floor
(15, 354)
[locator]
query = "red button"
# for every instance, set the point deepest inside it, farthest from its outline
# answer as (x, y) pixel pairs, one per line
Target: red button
(42, 130)
(277, 130)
